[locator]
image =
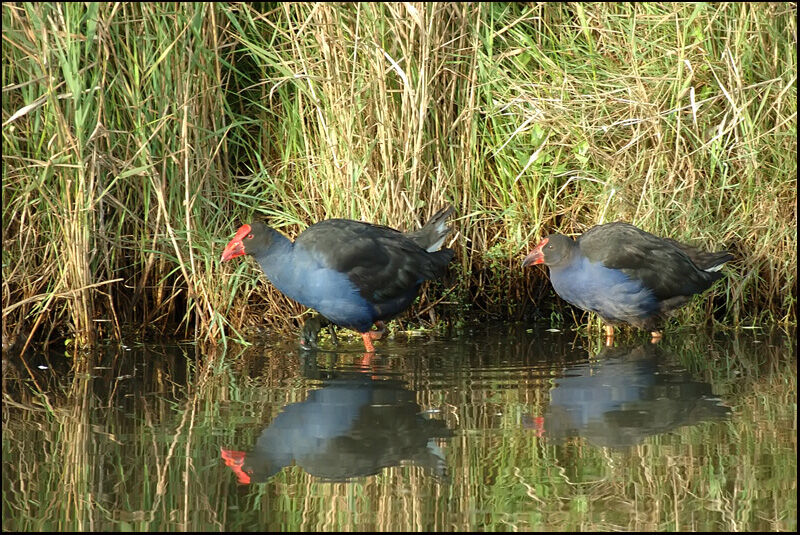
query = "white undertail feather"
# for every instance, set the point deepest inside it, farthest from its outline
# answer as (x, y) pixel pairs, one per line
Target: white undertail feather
(441, 228)
(715, 268)
(436, 246)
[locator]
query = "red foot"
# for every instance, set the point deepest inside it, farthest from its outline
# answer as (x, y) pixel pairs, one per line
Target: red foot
(369, 336)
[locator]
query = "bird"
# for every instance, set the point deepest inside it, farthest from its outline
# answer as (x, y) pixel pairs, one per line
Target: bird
(622, 395)
(429, 237)
(355, 274)
(354, 426)
(625, 274)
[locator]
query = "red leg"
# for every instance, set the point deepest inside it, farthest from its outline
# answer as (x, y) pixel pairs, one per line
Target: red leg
(609, 335)
(655, 337)
(365, 361)
(369, 336)
(235, 459)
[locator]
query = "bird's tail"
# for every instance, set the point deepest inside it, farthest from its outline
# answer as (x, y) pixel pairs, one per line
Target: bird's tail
(715, 261)
(710, 262)
(431, 236)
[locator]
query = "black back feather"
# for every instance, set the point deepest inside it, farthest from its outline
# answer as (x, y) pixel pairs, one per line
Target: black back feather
(382, 262)
(667, 267)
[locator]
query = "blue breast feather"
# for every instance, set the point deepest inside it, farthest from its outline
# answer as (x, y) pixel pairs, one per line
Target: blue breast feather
(306, 280)
(607, 292)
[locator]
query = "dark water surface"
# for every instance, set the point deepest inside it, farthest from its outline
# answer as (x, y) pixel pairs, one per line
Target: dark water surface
(498, 429)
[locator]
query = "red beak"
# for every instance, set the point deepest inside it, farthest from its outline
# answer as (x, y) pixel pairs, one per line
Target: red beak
(536, 256)
(235, 247)
(235, 459)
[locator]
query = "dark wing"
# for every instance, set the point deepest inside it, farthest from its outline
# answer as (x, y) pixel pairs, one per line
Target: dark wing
(702, 259)
(659, 263)
(382, 262)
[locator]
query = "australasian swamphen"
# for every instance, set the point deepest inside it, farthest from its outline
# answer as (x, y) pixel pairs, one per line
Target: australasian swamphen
(626, 275)
(429, 237)
(355, 274)
(354, 426)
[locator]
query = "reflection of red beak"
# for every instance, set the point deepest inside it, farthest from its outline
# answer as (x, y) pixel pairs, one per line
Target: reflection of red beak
(235, 247)
(538, 424)
(536, 256)
(235, 459)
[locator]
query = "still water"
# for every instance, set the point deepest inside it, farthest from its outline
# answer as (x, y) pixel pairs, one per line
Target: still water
(489, 429)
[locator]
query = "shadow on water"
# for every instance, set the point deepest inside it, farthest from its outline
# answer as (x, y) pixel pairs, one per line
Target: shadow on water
(356, 424)
(489, 429)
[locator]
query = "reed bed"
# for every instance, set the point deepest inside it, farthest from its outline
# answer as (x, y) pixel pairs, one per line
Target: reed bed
(137, 136)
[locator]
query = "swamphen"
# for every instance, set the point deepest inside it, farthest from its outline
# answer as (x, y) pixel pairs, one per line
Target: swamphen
(355, 274)
(352, 427)
(626, 394)
(429, 237)
(626, 275)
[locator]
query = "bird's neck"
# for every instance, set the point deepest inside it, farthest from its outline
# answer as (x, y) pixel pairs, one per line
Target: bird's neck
(276, 260)
(569, 261)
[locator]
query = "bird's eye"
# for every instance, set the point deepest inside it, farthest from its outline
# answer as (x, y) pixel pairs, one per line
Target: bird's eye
(550, 246)
(249, 236)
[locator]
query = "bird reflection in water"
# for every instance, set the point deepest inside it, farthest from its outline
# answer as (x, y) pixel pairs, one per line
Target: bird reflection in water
(625, 395)
(358, 423)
